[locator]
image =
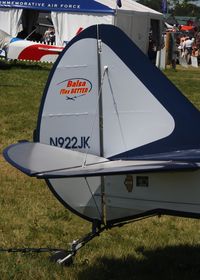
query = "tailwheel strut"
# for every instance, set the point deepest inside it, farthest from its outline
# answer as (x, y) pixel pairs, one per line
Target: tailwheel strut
(65, 257)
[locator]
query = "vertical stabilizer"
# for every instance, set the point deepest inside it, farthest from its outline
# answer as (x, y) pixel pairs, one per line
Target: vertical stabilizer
(142, 111)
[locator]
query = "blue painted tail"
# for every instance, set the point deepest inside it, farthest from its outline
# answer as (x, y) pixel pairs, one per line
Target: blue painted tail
(143, 113)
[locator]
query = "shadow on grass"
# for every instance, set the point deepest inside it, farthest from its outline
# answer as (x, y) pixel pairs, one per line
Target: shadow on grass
(25, 65)
(4, 65)
(181, 262)
(32, 66)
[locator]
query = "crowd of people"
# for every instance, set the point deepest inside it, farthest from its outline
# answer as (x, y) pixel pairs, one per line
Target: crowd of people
(189, 46)
(179, 46)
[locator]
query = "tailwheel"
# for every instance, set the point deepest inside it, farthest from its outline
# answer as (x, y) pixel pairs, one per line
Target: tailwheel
(63, 257)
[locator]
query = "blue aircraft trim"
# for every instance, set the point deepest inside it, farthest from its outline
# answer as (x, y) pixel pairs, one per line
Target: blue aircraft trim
(179, 156)
(187, 118)
(100, 170)
(186, 134)
(15, 39)
(14, 163)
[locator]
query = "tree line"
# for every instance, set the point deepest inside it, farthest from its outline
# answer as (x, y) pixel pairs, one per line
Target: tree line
(175, 7)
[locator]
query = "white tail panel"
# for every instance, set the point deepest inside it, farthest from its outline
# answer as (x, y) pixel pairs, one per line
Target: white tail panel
(69, 117)
(130, 109)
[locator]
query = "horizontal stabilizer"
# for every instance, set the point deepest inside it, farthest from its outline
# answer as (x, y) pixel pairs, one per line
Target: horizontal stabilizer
(45, 161)
(120, 167)
(35, 158)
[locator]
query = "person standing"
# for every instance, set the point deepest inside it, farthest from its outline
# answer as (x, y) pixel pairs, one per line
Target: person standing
(188, 48)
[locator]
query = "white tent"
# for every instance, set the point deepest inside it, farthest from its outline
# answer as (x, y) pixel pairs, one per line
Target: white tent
(69, 17)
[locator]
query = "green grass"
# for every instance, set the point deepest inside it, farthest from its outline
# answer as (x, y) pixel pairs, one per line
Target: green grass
(188, 81)
(156, 248)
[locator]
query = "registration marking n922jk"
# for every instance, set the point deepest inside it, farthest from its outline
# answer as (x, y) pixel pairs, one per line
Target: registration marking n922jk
(73, 142)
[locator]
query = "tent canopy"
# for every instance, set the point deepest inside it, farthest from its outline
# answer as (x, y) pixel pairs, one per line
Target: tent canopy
(100, 6)
(59, 5)
(70, 16)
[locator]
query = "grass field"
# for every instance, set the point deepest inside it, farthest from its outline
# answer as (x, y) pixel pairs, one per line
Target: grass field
(156, 248)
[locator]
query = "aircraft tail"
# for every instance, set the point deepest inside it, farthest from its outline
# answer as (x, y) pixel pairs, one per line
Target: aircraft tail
(120, 115)
(105, 97)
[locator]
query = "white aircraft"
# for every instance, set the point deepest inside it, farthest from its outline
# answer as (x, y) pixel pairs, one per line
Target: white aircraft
(115, 140)
(21, 49)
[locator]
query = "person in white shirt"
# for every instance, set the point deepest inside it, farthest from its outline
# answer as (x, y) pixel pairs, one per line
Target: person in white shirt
(187, 45)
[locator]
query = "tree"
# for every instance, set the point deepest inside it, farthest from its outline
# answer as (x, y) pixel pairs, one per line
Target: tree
(153, 4)
(185, 8)
(176, 7)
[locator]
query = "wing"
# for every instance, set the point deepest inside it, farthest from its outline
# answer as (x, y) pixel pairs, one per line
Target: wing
(45, 161)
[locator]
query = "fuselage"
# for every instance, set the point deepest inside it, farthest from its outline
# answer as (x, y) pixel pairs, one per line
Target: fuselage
(127, 196)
